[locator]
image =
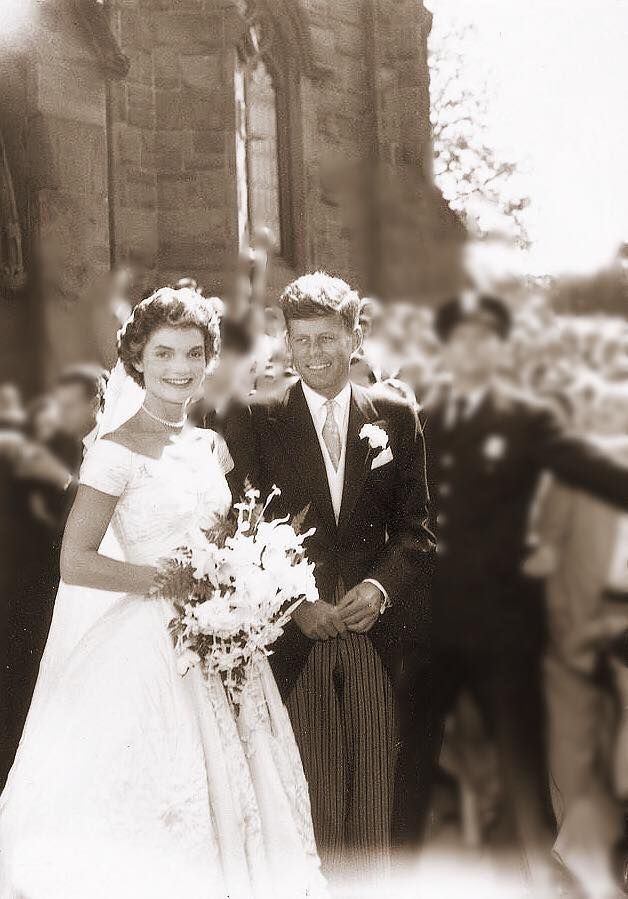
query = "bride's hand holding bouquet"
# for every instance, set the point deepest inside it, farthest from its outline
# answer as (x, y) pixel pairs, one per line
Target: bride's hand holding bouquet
(234, 587)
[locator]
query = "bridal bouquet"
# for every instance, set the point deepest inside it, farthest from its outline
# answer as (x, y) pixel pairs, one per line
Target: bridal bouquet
(234, 588)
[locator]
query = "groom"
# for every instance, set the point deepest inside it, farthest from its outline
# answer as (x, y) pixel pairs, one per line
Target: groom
(356, 459)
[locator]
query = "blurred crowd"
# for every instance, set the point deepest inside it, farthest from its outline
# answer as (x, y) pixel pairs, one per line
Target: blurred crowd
(577, 364)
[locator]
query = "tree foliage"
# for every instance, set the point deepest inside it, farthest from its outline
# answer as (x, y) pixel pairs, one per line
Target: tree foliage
(476, 180)
(602, 292)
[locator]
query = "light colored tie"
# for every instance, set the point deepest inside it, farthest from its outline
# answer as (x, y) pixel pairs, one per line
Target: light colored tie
(331, 434)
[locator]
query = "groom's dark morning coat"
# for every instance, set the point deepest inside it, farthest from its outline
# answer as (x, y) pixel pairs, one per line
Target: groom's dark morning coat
(382, 529)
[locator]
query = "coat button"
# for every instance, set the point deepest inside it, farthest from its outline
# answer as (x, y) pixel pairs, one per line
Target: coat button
(441, 548)
(444, 489)
(441, 518)
(447, 460)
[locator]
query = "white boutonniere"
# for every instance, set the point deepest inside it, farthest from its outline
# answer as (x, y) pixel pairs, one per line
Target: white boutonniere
(376, 436)
(378, 440)
(494, 447)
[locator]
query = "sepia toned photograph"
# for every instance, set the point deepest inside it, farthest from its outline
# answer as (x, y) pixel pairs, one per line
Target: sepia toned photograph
(313, 449)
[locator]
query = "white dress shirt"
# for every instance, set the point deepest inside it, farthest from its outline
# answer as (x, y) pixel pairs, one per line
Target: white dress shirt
(335, 476)
(318, 410)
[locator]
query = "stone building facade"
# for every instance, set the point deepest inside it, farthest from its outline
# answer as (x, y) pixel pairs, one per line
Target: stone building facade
(161, 132)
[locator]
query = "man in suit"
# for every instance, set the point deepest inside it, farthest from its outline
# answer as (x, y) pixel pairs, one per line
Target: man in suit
(79, 394)
(487, 447)
(355, 459)
(53, 467)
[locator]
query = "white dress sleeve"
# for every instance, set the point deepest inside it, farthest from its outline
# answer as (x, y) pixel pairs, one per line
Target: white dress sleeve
(221, 453)
(107, 467)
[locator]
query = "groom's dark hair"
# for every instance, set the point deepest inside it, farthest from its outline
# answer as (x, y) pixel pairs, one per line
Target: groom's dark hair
(317, 295)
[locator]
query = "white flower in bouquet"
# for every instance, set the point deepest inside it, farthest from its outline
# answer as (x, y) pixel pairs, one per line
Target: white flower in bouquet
(299, 581)
(186, 660)
(281, 536)
(276, 563)
(224, 621)
(244, 604)
(205, 615)
(206, 561)
(222, 616)
(253, 584)
(243, 551)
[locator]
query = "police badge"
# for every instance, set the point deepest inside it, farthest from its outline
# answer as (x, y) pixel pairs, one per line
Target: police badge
(494, 447)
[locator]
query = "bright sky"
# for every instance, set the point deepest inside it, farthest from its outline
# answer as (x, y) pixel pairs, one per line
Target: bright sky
(558, 75)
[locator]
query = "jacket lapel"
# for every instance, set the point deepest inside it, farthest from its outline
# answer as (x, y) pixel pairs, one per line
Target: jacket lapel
(298, 438)
(358, 453)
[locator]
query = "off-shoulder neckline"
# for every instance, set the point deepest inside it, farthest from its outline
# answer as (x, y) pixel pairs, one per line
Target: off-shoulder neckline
(106, 439)
(128, 449)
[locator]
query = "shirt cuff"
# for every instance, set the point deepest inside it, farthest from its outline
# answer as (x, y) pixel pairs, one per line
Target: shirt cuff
(386, 603)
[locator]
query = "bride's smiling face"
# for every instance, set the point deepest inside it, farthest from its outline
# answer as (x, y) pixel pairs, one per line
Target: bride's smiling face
(173, 363)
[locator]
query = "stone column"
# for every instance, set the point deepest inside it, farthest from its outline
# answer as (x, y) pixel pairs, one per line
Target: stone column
(133, 174)
(66, 145)
(194, 54)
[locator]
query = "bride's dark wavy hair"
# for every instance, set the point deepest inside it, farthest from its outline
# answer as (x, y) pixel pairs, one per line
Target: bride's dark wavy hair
(167, 308)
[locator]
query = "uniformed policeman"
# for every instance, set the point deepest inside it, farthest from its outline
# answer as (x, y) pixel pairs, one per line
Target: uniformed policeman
(487, 446)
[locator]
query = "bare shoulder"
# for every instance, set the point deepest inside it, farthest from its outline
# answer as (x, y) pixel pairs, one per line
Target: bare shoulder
(135, 437)
(128, 435)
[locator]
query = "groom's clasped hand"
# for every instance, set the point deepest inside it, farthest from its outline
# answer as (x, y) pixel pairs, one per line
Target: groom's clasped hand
(360, 607)
(357, 611)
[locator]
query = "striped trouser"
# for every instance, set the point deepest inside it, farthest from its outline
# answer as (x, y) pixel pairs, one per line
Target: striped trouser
(342, 709)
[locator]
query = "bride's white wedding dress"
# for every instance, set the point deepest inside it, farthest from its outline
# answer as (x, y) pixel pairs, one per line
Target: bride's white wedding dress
(134, 782)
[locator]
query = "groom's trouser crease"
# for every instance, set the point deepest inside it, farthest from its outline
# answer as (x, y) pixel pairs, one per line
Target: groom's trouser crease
(344, 716)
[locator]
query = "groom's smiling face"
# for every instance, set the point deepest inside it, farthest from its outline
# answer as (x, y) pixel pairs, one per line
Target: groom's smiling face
(321, 351)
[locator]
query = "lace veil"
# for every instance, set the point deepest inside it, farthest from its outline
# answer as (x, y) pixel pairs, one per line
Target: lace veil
(123, 399)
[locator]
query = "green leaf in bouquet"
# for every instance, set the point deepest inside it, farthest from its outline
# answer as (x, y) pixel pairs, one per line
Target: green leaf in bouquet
(203, 590)
(299, 519)
(175, 581)
(226, 526)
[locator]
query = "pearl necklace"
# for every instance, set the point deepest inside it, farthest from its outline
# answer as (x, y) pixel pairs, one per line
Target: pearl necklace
(165, 421)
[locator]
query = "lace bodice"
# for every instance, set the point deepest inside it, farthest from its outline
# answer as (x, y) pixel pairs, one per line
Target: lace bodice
(161, 499)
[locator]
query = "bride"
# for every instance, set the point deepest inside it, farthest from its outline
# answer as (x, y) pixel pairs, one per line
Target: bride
(132, 781)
